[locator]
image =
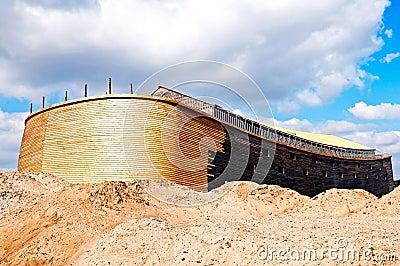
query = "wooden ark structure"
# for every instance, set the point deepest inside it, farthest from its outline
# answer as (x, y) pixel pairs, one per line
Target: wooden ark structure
(173, 136)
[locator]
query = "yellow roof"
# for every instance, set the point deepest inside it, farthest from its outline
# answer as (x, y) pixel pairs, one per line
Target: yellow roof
(324, 139)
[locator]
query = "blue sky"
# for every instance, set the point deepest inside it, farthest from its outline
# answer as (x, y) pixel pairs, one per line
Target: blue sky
(325, 66)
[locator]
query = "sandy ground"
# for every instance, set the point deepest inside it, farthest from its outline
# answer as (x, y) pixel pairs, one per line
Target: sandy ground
(44, 220)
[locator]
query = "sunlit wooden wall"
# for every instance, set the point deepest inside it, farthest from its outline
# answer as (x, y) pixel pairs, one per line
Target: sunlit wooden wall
(120, 137)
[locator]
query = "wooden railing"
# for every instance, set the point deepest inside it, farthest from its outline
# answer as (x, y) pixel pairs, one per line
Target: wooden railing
(266, 131)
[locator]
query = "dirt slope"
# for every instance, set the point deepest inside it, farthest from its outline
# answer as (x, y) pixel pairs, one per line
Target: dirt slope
(45, 220)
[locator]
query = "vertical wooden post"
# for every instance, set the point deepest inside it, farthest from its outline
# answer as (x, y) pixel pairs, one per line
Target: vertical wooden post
(85, 90)
(31, 109)
(66, 96)
(131, 89)
(43, 100)
(109, 85)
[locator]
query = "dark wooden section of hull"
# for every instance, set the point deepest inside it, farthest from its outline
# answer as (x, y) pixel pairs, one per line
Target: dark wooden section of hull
(324, 173)
(307, 173)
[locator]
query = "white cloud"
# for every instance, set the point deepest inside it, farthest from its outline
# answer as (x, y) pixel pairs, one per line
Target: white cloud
(389, 33)
(291, 48)
(335, 127)
(373, 112)
(388, 139)
(390, 57)
(7, 169)
(288, 106)
(295, 123)
(11, 129)
(344, 128)
(309, 97)
(238, 112)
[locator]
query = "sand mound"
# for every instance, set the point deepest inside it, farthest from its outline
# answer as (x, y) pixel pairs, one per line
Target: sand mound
(48, 221)
(335, 203)
(113, 194)
(154, 241)
(248, 199)
(32, 182)
(169, 192)
(262, 200)
(54, 227)
(388, 205)
(157, 242)
(17, 188)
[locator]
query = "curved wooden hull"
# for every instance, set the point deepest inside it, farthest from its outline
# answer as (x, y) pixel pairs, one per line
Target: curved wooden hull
(122, 137)
(92, 140)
